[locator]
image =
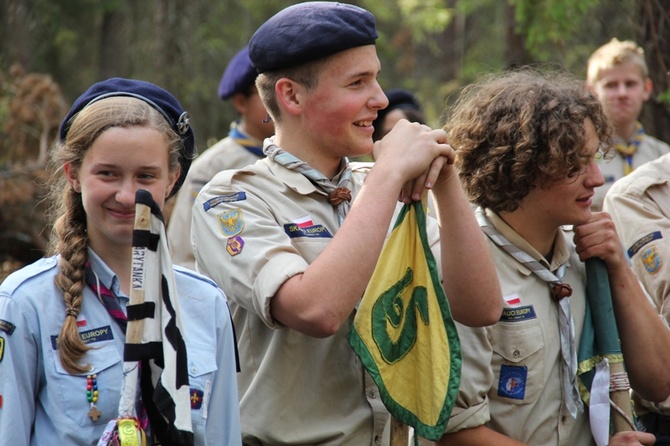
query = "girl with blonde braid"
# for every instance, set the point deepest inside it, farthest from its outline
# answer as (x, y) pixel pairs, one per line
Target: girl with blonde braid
(63, 318)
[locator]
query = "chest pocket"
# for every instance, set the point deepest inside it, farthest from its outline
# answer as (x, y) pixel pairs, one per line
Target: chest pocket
(107, 365)
(518, 361)
(201, 370)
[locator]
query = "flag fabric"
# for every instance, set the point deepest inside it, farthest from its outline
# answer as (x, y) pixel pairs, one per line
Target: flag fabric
(603, 379)
(403, 331)
(155, 363)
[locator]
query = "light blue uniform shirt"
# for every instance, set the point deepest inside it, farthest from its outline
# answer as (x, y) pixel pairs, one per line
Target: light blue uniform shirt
(42, 404)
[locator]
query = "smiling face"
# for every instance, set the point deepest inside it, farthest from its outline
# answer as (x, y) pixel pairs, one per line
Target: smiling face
(337, 115)
(118, 163)
(566, 201)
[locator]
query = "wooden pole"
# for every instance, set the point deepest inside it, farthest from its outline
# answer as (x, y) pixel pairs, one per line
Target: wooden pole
(620, 398)
(399, 433)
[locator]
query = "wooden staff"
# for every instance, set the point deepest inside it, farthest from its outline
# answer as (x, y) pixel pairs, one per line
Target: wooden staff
(399, 433)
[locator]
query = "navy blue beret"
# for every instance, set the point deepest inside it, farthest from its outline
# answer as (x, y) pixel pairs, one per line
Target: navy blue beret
(308, 31)
(239, 76)
(399, 98)
(153, 95)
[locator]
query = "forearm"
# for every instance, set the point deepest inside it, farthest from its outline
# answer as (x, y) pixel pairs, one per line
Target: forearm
(477, 436)
(345, 266)
(645, 339)
(470, 279)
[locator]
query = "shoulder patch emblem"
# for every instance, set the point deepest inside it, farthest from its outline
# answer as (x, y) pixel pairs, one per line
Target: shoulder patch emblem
(651, 259)
(232, 222)
(7, 326)
(230, 198)
(635, 247)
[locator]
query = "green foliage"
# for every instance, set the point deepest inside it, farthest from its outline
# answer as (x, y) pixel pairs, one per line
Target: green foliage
(432, 47)
(550, 22)
(664, 98)
(425, 17)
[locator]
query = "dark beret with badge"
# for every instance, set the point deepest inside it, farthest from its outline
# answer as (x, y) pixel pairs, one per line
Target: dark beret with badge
(156, 97)
(309, 31)
(238, 77)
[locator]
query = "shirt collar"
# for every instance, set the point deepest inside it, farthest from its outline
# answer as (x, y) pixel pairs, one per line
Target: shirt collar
(106, 276)
(561, 252)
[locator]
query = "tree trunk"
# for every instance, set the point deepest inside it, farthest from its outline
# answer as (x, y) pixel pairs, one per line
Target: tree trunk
(516, 54)
(655, 39)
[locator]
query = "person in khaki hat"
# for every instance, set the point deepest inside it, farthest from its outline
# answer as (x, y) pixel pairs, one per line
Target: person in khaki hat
(295, 237)
(242, 146)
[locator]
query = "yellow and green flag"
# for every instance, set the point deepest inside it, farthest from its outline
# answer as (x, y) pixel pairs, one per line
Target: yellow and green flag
(404, 333)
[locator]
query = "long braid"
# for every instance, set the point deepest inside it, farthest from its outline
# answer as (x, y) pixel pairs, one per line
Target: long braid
(71, 242)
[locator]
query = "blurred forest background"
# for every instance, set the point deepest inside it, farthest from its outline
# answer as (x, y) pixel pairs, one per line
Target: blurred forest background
(52, 50)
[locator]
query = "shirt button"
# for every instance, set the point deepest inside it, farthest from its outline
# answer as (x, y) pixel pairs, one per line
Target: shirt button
(377, 439)
(516, 353)
(372, 394)
(564, 419)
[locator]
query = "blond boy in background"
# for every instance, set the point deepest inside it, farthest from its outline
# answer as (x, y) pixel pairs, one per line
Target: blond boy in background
(617, 73)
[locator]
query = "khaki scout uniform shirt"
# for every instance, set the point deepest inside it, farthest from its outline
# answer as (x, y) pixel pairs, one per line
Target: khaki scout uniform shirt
(650, 149)
(225, 154)
(640, 207)
(253, 229)
(510, 377)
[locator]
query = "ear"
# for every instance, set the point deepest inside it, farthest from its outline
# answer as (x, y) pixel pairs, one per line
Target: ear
(648, 87)
(71, 173)
(172, 180)
(290, 95)
(589, 87)
(240, 103)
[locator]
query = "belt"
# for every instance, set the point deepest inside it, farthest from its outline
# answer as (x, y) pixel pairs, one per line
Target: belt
(656, 423)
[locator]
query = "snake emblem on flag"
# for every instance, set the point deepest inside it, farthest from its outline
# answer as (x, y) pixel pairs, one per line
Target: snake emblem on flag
(404, 333)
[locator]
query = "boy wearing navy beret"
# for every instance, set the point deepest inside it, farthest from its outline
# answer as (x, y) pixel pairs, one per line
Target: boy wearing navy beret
(294, 238)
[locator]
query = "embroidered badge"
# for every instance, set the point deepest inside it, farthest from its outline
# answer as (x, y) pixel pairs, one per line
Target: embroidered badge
(234, 245)
(512, 383)
(635, 247)
(512, 299)
(304, 222)
(518, 314)
(196, 398)
(213, 202)
(93, 335)
(231, 222)
(295, 231)
(651, 260)
(7, 327)
(2, 347)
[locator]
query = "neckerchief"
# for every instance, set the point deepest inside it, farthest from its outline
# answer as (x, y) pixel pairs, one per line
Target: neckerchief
(628, 148)
(337, 189)
(245, 140)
